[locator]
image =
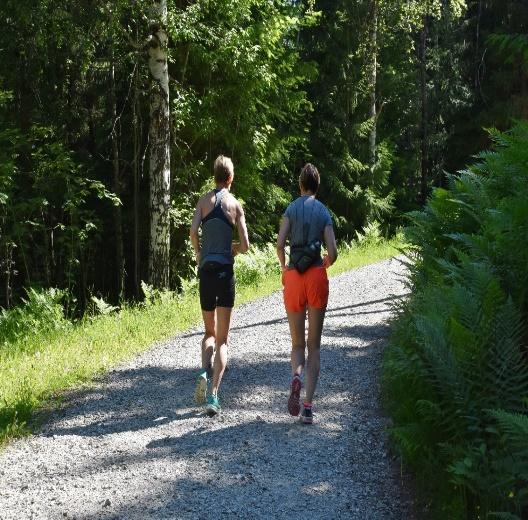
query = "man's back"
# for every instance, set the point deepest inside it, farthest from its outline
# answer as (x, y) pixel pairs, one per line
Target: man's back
(230, 206)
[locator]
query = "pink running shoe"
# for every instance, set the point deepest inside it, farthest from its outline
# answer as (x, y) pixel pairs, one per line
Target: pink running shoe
(307, 415)
(294, 401)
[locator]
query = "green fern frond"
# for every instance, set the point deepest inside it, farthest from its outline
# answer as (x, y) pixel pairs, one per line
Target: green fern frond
(504, 516)
(513, 425)
(510, 47)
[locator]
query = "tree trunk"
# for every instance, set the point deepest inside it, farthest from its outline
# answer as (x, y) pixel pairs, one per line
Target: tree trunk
(424, 122)
(477, 47)
(118, 219)
(159, 137)
(135, 168)
(372, 84)
(7, 266)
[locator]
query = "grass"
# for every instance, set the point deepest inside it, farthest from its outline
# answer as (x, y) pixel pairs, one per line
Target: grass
(37, 367)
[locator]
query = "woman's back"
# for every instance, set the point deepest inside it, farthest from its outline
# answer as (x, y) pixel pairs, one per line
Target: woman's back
(308, 218)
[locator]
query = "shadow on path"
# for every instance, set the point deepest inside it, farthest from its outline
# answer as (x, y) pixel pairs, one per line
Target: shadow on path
(141, 398)
(146, 441)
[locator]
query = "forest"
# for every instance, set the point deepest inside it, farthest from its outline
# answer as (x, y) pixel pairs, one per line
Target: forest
(385, 97)
(112, 113)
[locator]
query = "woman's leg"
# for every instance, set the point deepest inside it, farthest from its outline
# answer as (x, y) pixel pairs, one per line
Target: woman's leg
(296, 321)
(223, 322)
(315, 330)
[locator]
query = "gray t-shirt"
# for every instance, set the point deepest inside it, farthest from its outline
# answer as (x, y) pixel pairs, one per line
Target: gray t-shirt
(308, 218)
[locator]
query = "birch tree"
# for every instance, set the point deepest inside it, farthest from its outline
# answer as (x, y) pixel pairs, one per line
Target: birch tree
(373, 36)
(159, 141)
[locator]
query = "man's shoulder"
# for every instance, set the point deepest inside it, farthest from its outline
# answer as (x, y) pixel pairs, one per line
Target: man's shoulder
(231, 199)
(205, 197)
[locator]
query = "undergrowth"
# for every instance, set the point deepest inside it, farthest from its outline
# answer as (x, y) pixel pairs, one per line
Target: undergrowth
(456, 372)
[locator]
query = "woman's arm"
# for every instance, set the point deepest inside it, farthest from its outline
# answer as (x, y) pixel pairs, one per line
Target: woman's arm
(331, 246)
(281, 241)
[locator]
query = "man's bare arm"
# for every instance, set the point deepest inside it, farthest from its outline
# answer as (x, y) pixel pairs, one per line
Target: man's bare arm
(195, 226)
(243, 245)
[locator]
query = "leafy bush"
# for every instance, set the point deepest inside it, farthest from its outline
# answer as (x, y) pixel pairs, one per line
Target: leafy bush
(456, 373)
(256, 265)
(41, 312)
(371, 235)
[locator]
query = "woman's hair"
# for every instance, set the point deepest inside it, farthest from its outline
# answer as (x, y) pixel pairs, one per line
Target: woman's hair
(309, 178)
(223, 169)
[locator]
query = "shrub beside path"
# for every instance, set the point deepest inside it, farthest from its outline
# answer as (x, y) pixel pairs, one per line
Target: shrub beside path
(135, 447)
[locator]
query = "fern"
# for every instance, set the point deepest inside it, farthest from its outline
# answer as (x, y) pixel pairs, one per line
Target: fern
(458, 347)
(504, 516)
(515, 428)
(510, 47)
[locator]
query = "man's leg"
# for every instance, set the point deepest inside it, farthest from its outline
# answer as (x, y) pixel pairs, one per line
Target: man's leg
(208, 304)
(208, 344)
(223, 322)
(208, 341)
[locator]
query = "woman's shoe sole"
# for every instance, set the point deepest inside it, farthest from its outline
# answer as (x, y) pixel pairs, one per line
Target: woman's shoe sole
(294, 401)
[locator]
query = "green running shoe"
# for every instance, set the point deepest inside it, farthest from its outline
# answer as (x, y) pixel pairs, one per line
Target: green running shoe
(213, 405)
(200, 392)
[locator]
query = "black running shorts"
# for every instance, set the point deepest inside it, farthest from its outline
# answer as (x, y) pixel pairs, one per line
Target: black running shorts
(217, 286)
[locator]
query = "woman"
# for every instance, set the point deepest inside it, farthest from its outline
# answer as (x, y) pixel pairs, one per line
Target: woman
(218, 213)
(307, 224)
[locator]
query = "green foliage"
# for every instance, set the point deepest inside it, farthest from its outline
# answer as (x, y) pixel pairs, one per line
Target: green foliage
(256, 266)
(459, 343)
(272, 83)
(41, 312)
(240, 94)
(102, 307)
(511, 47)
(370, 236)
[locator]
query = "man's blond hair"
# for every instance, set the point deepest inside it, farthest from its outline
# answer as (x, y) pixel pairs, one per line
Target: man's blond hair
(223, 169)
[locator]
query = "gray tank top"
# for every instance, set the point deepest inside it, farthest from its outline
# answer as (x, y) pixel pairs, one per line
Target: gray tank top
(217, 234)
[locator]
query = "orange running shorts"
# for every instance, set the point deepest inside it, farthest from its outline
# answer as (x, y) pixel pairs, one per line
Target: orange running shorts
(307, 289)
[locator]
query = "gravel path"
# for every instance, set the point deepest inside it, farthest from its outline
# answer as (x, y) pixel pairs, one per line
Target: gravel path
(135, 446)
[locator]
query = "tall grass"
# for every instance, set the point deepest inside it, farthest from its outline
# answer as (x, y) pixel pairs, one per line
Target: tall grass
(42, 354)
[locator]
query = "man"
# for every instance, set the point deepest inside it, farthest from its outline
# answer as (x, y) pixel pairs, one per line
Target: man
(218, 213)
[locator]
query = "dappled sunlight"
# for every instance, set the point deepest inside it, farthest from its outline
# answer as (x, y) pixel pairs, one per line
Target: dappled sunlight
(317, 488)
(136, 446)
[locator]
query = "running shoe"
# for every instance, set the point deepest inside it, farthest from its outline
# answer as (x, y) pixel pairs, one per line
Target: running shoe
(200, 391)
(294, 401)
(213, 406)
(307, 416)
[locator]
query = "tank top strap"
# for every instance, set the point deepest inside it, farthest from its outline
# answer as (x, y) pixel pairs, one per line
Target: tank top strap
(219, 195)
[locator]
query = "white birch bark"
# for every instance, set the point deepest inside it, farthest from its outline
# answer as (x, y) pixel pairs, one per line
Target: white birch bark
(372, 84)
(159, 139)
